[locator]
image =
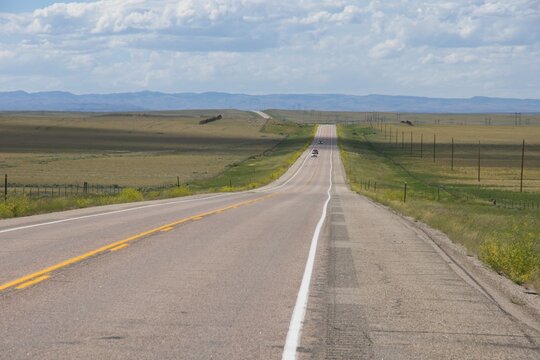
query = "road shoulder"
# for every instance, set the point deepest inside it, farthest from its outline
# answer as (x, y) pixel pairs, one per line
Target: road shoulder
(387, 287)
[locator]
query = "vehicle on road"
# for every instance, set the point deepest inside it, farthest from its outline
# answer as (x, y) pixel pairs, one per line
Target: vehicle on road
(314, 153)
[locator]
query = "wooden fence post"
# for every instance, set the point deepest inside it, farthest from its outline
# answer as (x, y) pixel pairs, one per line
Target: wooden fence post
(405, 193)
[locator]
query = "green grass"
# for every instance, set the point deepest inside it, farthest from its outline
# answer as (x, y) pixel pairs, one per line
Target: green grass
(261, 169)
(17, 206)
(279, 144)
(508, 239)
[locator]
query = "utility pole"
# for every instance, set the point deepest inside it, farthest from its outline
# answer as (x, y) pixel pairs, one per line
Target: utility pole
(434, 145)
(479, 161)
(452, 160)
(522, 161)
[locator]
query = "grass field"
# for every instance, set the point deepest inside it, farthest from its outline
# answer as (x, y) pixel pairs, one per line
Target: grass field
(342, 117)
(500, 153)
(505, 234)
(127, 149)
(145, 152)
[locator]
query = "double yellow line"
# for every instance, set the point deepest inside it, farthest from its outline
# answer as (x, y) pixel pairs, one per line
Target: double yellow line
(44, 274)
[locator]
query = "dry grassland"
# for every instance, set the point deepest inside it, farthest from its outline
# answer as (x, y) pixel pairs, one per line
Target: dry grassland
(126, 149)
(500, 153)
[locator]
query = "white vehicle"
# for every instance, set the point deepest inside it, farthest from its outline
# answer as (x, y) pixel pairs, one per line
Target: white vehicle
(314, 153)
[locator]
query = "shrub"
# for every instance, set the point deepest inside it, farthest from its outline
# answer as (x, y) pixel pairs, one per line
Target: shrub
(22, 206)
(13, 207)
(130, 194)
(515, 255)
(178, 191)
(6, 211)
(83, 202)
(226, 189)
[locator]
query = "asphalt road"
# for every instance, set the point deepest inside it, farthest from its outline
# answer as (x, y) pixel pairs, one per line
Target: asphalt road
(302, 268)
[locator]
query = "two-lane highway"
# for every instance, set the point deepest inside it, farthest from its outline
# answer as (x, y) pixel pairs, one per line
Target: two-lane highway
(213, 276)
(302, 268)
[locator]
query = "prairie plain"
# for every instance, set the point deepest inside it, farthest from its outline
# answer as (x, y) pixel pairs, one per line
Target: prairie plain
(128, 149)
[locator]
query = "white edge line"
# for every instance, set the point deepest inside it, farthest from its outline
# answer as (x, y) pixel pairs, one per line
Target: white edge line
(292, 177)
(299, 312)
(109, 213)
(306, 156)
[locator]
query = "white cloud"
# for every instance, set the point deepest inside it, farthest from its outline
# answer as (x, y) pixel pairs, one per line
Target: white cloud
(386, 49)
(347, 14)
(283, 45)
(5, 54)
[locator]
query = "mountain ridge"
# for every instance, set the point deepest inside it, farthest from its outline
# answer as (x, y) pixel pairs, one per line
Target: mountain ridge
(159, 101)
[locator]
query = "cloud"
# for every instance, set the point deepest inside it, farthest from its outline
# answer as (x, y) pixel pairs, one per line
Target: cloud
(345, 15)
(5, 54)
(460, 23)
(386, 49)
(451, 58)
(250, 45)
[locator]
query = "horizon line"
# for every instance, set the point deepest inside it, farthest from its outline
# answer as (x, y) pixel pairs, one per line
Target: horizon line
(254, 95)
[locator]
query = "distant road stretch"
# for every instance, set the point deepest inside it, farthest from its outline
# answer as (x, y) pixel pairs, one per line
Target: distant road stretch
(262, 114)
(302, 268)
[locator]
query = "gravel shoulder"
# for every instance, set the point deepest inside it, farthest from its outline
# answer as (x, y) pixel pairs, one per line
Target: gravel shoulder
(389, 287)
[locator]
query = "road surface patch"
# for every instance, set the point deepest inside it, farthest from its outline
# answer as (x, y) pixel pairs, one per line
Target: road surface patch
(338, 232)
(343, 273)
(348, 334)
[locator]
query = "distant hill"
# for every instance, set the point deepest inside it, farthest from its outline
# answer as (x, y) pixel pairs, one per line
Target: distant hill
(153, 101)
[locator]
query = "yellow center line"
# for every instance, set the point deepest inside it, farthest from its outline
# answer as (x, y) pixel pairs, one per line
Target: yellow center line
(167, 229)
(119, 247)
(102, 249)
(32, 282)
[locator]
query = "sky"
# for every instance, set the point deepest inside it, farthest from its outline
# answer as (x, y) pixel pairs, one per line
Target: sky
(448, 49)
